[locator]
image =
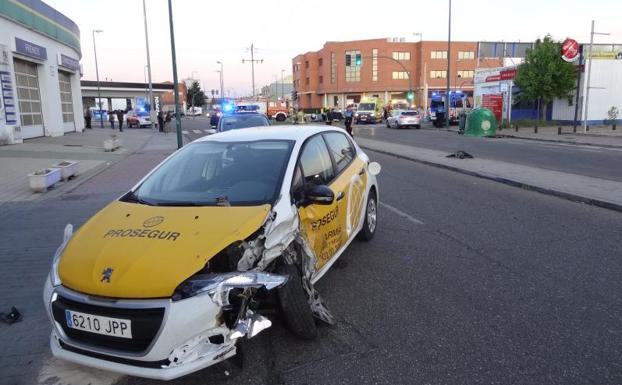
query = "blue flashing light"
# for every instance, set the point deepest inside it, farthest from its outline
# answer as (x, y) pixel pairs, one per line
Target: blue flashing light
(227, 107)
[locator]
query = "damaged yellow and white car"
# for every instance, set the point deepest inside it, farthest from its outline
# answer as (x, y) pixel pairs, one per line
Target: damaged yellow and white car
(168, 278)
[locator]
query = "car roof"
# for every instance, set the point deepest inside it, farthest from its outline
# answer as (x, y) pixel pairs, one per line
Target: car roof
(281, 132)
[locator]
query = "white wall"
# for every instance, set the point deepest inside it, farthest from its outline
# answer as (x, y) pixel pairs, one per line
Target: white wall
(48, 80)
(606, 74)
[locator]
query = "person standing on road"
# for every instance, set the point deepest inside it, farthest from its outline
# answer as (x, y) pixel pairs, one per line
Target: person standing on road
(87, 118)
(348, 121)
(111, 119)
(120, 118)
(160, 121)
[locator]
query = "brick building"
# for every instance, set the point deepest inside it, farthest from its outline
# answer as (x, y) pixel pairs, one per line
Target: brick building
(343, 72)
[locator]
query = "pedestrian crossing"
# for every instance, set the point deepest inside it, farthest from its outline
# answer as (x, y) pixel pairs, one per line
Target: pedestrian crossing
(188, 132)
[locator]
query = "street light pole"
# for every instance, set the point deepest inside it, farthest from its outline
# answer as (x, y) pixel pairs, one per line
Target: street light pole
(175, 84)
(222, 81)
(282, 86)
(151, 112)
(589, 73)
(448, 96)
(99, 95)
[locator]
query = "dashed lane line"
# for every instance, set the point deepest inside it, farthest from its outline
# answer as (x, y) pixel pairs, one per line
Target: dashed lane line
(197, 131)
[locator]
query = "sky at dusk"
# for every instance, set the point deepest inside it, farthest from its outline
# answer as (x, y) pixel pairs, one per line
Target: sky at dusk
(207, 31)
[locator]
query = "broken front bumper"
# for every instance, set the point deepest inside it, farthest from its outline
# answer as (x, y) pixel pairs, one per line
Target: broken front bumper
(189, 336)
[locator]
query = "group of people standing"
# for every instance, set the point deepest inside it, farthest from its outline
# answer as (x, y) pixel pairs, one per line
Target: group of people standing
(162, 117)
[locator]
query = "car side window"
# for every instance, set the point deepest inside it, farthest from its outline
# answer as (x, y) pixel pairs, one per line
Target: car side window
(340, 148)
(317, 167)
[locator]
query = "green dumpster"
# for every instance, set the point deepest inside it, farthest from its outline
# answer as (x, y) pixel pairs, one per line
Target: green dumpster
(481, 122)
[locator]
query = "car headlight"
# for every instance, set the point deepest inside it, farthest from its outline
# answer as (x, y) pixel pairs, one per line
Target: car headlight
(217, 284)
(356, 115)
(54, 277)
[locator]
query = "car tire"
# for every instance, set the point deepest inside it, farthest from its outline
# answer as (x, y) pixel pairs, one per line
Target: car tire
(418, 126)
(280, 118)
(294, 305)
(396, 125)
(388, 126)
(371, 218)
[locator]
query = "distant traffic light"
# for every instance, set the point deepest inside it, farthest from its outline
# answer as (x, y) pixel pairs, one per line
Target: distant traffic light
(359, 60)
(410, 96)
(294, 95)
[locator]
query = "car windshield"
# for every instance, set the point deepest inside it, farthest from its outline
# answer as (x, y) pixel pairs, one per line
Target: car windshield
(366, 106)
(214, 173)
(243, 121)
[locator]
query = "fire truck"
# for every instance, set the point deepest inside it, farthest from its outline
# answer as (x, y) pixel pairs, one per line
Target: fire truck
(276, 110)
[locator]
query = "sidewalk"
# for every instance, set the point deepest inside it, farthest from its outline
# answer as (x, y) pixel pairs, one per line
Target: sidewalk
(599, 192)
(602, 136)
(17, 161)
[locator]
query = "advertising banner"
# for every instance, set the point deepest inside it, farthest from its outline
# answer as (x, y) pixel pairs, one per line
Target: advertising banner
(494, 102)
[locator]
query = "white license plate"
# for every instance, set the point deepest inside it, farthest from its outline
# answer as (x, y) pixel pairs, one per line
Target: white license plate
(115, 327)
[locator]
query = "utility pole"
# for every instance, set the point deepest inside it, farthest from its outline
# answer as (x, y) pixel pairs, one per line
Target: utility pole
(99, 95)
(175, 84)
(151, 112)
(448, 96)
(586, 99)
(253, 61)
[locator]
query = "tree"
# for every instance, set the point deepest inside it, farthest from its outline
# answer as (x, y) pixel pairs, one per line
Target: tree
(195, 95)
(544, 76)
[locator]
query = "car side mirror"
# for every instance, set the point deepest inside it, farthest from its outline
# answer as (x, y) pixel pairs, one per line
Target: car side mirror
(319, 195)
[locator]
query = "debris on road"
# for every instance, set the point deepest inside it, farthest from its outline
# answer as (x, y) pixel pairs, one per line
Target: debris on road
(460, 155)
(12, 317)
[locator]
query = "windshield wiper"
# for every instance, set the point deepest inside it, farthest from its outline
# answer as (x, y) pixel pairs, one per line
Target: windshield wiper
(180, 203)
(132, 197)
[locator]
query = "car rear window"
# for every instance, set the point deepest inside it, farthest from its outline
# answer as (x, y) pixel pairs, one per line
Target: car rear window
(410, 113)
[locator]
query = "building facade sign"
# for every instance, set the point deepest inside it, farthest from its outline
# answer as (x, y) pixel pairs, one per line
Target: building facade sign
(30, 49)
(68, 62)
(8, 97)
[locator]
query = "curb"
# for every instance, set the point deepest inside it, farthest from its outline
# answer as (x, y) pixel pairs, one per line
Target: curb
(510, 182)
(559, 141)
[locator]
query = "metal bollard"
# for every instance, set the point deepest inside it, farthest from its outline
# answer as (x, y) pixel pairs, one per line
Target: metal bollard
(559, 130)
(587, 128)
(613, 127)
(574, 129)
(535, 129)
(516, 127)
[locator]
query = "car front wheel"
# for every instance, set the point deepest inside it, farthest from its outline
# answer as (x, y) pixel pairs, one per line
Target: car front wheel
(294, 305)
(371, 218)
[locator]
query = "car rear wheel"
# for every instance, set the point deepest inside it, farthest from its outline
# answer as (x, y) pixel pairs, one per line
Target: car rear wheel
(280, 118)
(371, 218)
(294, 305)
(388, 126)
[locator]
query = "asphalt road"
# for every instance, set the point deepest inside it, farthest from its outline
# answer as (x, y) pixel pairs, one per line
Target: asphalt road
(467, 282)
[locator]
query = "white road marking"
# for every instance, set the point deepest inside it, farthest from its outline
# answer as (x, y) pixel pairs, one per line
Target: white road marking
(185, 132)
(401, 213)
(197, 131)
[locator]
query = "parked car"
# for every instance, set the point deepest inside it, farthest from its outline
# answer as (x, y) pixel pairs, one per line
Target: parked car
(167, 279)
(242, 120)
(137, 119)
(404, 118)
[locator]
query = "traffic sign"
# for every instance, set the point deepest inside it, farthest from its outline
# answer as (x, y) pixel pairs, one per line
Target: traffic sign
(570, 50)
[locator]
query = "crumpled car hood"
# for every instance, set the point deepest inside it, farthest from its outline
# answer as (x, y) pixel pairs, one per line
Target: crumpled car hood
(136, 251)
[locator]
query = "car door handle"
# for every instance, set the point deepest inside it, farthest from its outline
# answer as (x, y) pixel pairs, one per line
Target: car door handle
(340, 196)
(362, 171)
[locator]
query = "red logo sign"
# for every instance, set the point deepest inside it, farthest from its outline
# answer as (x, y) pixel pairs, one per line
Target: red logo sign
(570, 50)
